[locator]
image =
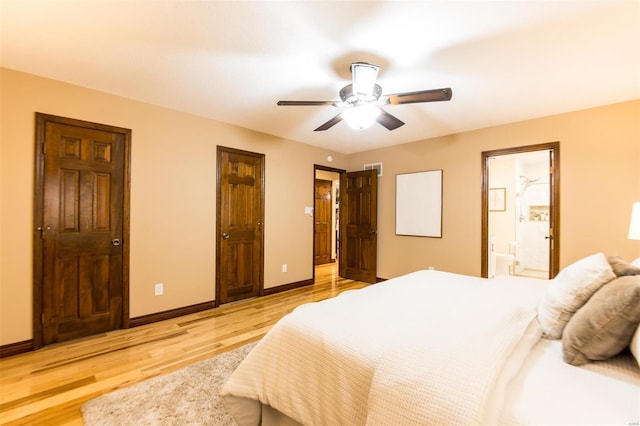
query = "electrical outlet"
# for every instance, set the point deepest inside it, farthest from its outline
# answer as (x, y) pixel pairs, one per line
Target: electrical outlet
(284, 267)
(159, 289)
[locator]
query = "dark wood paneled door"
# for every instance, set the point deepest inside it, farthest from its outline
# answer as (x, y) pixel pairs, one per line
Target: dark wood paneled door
(240, 223)
(358, 225)
(81, 229)
(322, 224)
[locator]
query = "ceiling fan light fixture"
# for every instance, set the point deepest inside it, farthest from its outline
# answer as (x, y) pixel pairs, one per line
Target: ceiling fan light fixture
(361, 100)
(361, 117)
(364, 78)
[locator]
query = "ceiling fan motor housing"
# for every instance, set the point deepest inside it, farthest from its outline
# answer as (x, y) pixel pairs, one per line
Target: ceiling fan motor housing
(348, 96)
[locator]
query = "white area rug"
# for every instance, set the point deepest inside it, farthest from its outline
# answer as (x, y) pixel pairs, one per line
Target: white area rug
(188, 396)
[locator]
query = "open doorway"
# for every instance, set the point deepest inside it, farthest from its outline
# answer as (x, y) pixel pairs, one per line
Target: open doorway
(326, 214)
(520, 234)
(356, 224)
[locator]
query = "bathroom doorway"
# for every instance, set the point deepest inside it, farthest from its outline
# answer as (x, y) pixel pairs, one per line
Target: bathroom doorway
(520, 212)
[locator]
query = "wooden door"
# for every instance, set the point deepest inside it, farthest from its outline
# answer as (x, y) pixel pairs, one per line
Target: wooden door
(81, 220)
(358, 225)
(554, 210)
(322, 223)
(240, 237)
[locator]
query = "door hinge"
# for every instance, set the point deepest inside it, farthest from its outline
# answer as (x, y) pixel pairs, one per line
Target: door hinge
(42, 318)
(43, 230)
(44, 147)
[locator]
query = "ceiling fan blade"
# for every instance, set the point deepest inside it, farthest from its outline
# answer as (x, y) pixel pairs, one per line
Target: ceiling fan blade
(306, 103)
(433, 95)
(329, 124)
(388, 120)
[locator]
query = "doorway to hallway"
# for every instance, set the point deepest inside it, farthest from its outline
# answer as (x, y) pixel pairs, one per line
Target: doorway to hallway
(326, 223)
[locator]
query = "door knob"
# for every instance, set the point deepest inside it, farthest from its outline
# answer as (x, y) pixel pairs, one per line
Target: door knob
(372, 231)
(115, 241)
(225, 235)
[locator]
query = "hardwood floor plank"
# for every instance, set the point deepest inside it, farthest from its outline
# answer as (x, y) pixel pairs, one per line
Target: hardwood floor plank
(50, 385)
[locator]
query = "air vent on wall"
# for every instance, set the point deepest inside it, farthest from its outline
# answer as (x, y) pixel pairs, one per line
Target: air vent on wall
(374, 166)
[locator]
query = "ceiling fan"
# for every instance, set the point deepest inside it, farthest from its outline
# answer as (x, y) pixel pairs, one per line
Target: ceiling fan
(363, 99)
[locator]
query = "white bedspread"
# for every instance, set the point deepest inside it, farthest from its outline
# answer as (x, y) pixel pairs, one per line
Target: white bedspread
(426, 348)
(548, 391)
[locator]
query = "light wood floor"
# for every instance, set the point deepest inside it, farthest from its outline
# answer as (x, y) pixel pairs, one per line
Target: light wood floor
(50, 385)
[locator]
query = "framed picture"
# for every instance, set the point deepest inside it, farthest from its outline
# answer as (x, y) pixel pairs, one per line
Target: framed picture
(419, 204)
(497, 197)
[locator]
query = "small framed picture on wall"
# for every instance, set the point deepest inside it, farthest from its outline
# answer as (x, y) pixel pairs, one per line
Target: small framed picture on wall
(497, 197)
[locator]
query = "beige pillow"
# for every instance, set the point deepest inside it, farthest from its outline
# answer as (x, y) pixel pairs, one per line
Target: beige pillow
(622, 268)
(571, 289)
(604, 326)
(635, 345)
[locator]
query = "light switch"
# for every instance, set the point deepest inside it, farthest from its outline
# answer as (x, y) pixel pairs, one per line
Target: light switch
(308, 211)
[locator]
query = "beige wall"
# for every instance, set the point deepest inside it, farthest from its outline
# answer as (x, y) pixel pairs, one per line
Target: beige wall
(600, 179)
(173, 189)
(173, 193)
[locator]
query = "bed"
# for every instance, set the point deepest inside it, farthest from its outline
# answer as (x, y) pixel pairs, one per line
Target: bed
(433, 347)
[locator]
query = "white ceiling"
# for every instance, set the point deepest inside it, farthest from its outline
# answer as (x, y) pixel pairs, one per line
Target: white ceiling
(232, 61)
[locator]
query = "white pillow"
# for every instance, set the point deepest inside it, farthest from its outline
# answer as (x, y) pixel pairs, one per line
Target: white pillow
(571, 289)
(636, 262)
(635, 345)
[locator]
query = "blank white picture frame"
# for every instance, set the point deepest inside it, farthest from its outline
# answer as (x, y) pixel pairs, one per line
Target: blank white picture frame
(497, 197)
(419, 204)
